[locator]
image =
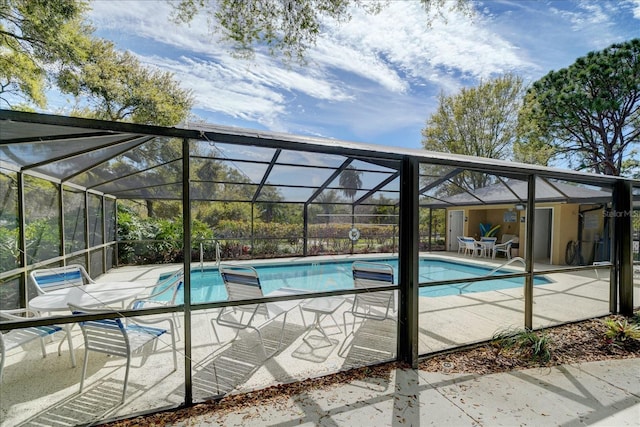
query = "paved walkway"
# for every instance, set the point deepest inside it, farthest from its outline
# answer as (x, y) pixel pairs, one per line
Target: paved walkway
(603, 393)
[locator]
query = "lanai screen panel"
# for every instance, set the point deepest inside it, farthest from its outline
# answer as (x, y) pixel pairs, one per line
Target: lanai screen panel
(9, 221)
(74, 220)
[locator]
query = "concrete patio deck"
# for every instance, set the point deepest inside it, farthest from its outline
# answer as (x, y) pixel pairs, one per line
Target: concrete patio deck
(37, 392)
(605, 393)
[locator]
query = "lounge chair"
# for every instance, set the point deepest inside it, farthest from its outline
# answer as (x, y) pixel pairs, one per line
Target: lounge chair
(242, 282)
(374, 305)
(19, 337)
(115, 338)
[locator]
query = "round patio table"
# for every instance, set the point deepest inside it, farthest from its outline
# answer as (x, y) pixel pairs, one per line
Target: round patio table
(92, 295)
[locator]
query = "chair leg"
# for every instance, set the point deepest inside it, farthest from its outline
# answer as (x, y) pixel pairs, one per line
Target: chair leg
(126, 378)
(44, 351)
(72, 353)
(1, 364)
(84, 368)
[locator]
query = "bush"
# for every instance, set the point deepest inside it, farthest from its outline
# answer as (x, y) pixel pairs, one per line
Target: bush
(526, 342)
(619, 332)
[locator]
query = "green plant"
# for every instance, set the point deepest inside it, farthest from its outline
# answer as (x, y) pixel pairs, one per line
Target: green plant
(621, 331)
(526, 342)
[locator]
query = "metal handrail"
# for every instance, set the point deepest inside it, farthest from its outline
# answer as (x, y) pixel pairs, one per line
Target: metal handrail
(508, 262)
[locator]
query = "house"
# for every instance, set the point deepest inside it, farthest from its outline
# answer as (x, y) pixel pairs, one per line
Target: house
(564, 212)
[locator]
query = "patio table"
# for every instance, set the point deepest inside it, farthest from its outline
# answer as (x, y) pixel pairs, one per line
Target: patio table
(92, 295)
(321, 308)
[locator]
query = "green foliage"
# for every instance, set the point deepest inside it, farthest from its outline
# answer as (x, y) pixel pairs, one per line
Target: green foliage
(9, 253)
(590, 111)
(152, 239)
(620, 331)
(35, 35)
(284, 27)
(117, 87)
(526, 342)
(350, 181)
(479, 121)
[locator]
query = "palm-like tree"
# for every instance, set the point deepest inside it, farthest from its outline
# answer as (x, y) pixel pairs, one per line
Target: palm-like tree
(350, 182)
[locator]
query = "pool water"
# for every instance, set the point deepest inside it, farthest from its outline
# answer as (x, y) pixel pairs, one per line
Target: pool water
(207, 286)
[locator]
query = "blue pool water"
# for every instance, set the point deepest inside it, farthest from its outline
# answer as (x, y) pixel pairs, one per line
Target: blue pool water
(207, 286)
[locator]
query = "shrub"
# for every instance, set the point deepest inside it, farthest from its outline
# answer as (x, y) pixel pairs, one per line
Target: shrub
(526, 342)
(619, 332)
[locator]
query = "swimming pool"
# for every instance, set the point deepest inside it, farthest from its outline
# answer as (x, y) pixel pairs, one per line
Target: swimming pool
(207, 286)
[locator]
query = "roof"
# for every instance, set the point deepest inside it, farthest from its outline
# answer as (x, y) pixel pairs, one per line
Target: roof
(131, 161)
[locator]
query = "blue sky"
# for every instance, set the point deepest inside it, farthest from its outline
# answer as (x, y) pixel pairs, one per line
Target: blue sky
(374, 79)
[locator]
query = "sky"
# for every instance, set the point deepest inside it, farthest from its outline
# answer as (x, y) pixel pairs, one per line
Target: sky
(375, 79)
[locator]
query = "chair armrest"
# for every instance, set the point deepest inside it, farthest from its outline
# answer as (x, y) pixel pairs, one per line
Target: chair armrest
(13, 314)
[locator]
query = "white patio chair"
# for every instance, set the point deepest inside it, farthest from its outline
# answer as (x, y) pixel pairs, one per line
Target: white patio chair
(242, 282)
(21, 336)
(504, 248)
(164, 295)
(374, 305)
(469, 246)
(114, 337)
(488, 243)
(50, 279)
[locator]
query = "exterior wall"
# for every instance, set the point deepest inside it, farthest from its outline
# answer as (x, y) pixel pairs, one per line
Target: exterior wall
(564, 226)
(566, 229)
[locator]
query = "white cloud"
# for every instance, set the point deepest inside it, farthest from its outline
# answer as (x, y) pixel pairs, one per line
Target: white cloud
(372, 75)
(635, 4)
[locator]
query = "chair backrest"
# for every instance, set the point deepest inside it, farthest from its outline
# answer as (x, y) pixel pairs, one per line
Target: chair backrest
(504, 247)
(506, 238)
(107, 336)
(243, 282)
(50, 279)
(165, 293)
(371, 275)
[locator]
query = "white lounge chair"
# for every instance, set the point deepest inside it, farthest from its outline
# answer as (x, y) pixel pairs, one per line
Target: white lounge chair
(374, 305)
(242, 282)
(19, 337)
(116, 338)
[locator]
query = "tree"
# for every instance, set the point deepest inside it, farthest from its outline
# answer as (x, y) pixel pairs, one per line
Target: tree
(37, 36)
(117, 87)
(590, 111)
(283, 26)
(479, 121)
(350, 182)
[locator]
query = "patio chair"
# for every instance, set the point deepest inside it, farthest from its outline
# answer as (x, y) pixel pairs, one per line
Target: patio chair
(488, 243)
(164, 295)
(460, 244)
(114, 337)
(50, 279)
(19, 337)
(504, 248)
(374, 305)
(242, 282)
(469, 246)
